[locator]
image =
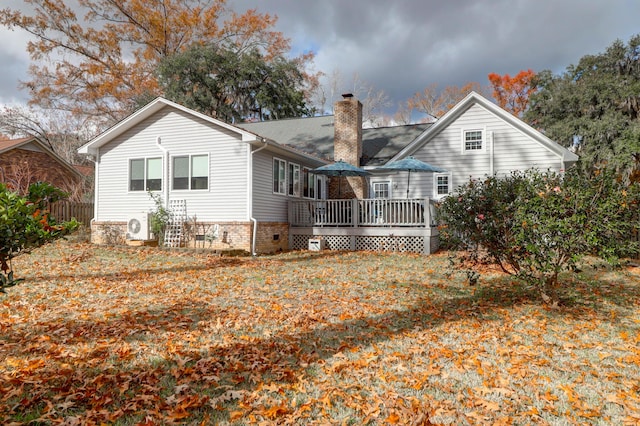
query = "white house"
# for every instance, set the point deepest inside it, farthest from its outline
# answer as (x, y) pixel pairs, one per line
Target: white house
(238, 181)
(234, 183)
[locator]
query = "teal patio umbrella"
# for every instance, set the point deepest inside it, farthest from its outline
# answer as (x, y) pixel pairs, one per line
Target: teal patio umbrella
(409, 165)
(340, 168)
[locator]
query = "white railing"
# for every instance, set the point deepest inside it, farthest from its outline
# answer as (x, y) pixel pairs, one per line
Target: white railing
(417, 212)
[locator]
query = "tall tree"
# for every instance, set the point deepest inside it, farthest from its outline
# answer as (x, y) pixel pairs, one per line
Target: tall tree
(234, 86)
(513, 93)
(435, 103)
(105, 52)
(594, 106)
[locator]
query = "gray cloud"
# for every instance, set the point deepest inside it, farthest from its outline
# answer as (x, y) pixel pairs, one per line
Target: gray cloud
(403, 46)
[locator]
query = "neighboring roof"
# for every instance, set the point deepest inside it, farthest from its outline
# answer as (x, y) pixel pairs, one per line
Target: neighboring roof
(156, 105)
(9, 144)
(474, 98)
(315, 136)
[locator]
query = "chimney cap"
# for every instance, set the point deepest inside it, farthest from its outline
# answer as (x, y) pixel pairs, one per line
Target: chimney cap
(347, 95)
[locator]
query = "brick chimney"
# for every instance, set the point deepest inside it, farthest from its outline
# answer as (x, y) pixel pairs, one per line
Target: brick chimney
(347, 146)
(348, 130)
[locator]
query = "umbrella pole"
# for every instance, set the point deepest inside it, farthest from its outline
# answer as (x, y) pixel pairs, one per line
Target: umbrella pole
(408, 178)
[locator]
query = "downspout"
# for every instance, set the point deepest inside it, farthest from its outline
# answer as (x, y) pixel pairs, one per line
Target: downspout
(491, 154)
(165, 166)
(250, 191)
(96, 184)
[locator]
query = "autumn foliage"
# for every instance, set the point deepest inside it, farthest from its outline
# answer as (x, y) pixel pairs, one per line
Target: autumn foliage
(106, 52)
(513, 93)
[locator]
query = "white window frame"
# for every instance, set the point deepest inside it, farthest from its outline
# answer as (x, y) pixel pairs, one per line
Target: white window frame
(294, 179)
(322, 187)
(436, 186)
(483, 141)
(381, 182)
(308, 180)
(280, 187)
(190, 172)
(145, 172)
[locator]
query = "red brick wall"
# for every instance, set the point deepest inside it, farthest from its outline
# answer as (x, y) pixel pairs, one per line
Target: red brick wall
(21, 167)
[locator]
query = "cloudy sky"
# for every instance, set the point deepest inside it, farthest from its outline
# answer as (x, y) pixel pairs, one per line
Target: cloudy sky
(403, 46)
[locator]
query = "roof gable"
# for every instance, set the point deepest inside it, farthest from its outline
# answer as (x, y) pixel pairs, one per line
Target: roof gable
(149, 110)
(461, 107)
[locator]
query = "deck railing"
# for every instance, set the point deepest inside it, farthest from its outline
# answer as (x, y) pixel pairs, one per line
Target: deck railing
(416, 212)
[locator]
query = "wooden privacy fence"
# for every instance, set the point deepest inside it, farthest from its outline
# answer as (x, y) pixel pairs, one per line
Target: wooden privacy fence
(63, 211)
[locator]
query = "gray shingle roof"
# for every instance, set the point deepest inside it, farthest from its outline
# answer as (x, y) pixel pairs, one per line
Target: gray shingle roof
(314, 135)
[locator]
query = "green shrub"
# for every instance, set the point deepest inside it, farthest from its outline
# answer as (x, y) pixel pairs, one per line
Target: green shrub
(26, 224)
(533, 224)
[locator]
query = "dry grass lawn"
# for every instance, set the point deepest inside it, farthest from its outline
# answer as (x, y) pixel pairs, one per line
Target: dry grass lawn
(125, 336)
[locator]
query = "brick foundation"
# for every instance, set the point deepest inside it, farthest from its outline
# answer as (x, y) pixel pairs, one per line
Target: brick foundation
(272, 236)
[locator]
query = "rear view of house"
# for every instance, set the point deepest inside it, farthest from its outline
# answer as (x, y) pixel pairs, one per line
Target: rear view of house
(252, 186)
(230, 184)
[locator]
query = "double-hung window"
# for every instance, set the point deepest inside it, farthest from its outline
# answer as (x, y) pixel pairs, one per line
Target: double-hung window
(279, 176)
(191, 172)
(381, 190)
(442, 184)
(473, 140)
(145, 174)
(293, 179)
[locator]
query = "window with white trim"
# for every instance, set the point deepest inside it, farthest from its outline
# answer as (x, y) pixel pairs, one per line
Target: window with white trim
(441, 184)
(308, 183)
(473, 140)
(381, 189)
(279, 176)
(145, 174)
(293, 178)
(190, 172)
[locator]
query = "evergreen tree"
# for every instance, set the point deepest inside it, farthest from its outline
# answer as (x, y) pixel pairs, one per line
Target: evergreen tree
(595, 107)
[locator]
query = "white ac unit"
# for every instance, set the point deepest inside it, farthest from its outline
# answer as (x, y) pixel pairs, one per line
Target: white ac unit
(138, 227)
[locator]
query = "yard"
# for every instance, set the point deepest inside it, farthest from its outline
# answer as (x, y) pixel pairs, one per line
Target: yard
(147, 336)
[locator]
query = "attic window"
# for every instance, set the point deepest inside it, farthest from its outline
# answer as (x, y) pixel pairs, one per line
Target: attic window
(473, 140)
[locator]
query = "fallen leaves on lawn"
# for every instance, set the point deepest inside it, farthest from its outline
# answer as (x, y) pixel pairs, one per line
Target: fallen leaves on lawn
(148, 336)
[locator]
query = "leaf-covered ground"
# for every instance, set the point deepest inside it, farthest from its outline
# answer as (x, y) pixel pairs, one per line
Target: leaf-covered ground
(103, 335)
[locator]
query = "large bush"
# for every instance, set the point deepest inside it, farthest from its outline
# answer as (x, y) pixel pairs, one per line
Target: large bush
(25, 224)
(534, 224)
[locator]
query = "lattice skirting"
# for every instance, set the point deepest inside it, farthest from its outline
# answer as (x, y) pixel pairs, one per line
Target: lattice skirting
(409, 244)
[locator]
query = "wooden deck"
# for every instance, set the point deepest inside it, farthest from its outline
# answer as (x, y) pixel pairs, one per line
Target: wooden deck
(365, 224)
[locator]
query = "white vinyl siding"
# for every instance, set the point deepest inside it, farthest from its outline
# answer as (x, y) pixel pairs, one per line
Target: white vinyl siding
(269, 206)
(182, 135)
(505, 149)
